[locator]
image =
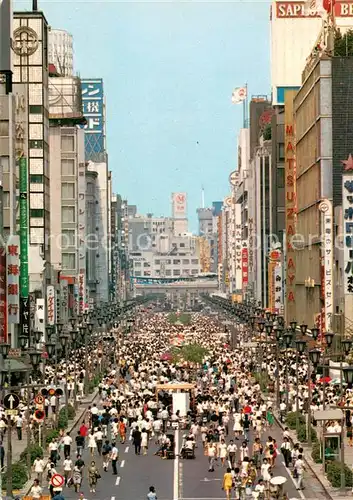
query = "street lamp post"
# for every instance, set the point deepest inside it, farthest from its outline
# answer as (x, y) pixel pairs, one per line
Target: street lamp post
(74, 336)
(64, 340)
(300, 348)
(313, 358)
(287, 337)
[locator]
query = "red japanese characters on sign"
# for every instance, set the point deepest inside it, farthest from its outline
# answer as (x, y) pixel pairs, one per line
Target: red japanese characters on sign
(245, 266)
(3, 302)
(12, 277)
(81, 293)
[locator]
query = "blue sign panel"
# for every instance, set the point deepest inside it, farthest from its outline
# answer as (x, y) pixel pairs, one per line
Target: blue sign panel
(93, 110)
(281, 91)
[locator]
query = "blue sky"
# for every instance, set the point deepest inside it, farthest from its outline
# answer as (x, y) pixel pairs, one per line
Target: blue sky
(169, 69)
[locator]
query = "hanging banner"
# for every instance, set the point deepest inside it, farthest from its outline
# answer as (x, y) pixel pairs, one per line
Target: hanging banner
(64, 301)
(3, 300)
(76, 301)
(25, 316)
(279, 288)
(347, 210)
(290, 205)
(325, 207)
(40, 317)
(82, 234)
(13, 279)
(244, 266)
(24, 278)
(51, 305)
(238, 249)
(81, 293)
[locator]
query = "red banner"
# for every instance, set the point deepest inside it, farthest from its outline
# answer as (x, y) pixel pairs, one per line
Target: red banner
(3, 303)
(245, 267)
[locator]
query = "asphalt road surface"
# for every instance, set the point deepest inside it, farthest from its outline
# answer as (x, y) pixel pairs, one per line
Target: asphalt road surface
(137, 473)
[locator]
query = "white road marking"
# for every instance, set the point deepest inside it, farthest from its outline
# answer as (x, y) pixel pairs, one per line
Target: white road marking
(127, 449)
(176, 467)
(300, 493)
(117, 482)
(122, 463)
(112, 498)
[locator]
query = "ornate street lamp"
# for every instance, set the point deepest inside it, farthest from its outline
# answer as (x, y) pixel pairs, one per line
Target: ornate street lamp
(100, 321)
(73, 323)
(23, 340)
(59, 327)
(293, 325)
(64, 339)
(346, 345)
(287, 337)
(269, 327)
(49, 331)
(274, 316)
(303, 328)
(348, 375)
(300, 345)
(280, 321)
(37, 336)
(329, 338)
(35, 357)
(50, 348)
(74, 334)
(90, 327)
(268, 315)
(279, 332)
(315, 332)
(314, 355)
(4, 350)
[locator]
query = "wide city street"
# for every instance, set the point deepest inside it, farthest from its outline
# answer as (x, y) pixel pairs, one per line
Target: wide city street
(186, 453)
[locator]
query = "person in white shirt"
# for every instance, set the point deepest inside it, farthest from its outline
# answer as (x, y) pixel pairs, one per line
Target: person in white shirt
(67, 441)
(300, 468)
(231, 450)
(99, 440)
(68, 465)
(38, 467)
(36, 490)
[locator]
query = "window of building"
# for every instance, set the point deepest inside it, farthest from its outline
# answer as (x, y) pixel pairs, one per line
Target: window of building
(67, 214)
(146, 264)
(138, 273)
(281, 151)
(280, 178)
(36, 212)
(186, 261)
(68, 261)
(168, 261)
(194, 271)
(147, 273)
(36, 109)
(157, 272)
(176, 272)
(67, 191)
(90, 188)
(176, 262)
(67, 143)
(157, 261)
(35, 144)
(67, 167)
(194, 261)
(168, 272)
(36, 179)
(6, 199)
(137, 264)
(182, 245)
(4, 128)
(68, 238)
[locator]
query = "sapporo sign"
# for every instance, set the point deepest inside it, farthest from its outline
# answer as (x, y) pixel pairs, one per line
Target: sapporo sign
(285, 10)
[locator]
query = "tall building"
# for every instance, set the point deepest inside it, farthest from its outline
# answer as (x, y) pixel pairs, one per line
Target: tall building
(30, 76)
(205, 221)
(294, 24)
(93, 105)
(61, 52)
(179, 213)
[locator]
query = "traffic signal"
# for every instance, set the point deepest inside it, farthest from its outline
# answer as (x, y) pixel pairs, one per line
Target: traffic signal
(52, 392)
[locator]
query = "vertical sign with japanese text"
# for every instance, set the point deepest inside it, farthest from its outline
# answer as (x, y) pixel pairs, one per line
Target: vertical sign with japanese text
(347, 210)
(326, 210)
(93, 110)
(24, 278)
(238, 248)
(290, 204)
(13, 279)
(64, 301)
(279, 288)
(25, 316)
(244, 267)
(21, 120)
(51, 303)
(3, 299)
(81, 236)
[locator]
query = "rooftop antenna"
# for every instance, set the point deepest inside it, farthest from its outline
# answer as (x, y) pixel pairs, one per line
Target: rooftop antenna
(34, 5)
(202, 197)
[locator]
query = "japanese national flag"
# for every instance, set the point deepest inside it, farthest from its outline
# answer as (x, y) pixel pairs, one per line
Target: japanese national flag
(239, 95)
